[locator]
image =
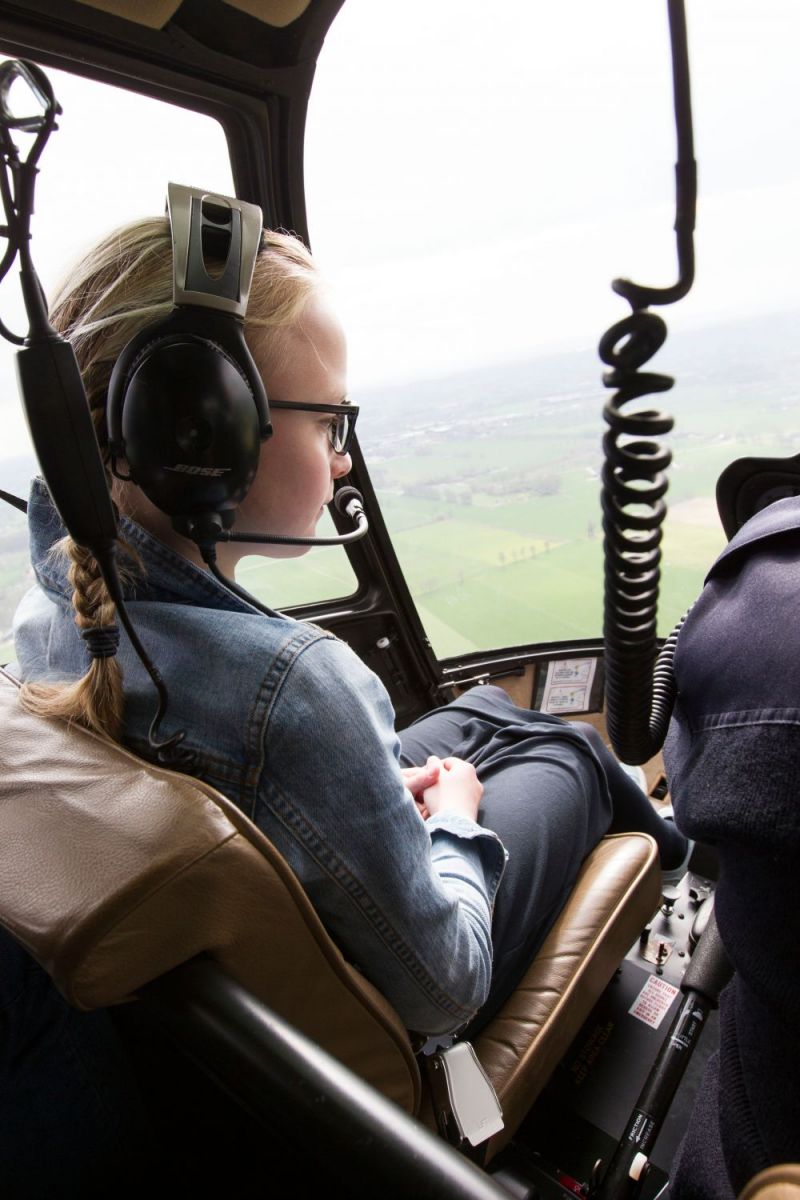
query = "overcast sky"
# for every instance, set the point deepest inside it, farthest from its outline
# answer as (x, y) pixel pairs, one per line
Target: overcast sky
(472, 192)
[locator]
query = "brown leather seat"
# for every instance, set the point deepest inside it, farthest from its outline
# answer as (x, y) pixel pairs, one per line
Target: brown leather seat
(115, 871)
(781, 1182)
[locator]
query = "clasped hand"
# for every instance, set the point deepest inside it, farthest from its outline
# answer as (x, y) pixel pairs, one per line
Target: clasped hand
(444, 783)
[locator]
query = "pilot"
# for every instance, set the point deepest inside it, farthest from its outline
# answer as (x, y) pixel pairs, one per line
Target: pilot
(733, 758)
(438, 859)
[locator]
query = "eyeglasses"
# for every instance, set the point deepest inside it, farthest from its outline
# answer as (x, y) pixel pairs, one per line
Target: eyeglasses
(341, 428)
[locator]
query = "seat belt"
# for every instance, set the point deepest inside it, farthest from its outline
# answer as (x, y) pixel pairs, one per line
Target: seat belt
(467, 1110)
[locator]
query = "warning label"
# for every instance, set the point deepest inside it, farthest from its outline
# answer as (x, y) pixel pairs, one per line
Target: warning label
(653, 1001)
(568, 686)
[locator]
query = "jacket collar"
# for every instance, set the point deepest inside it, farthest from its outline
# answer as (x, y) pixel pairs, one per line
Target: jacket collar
(782, 517)
(167, 576)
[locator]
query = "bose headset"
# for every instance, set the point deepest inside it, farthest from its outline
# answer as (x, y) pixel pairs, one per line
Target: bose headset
(186, 405)
(187, 408)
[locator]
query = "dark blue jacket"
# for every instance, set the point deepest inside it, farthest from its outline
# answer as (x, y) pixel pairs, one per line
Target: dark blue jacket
(733, 761)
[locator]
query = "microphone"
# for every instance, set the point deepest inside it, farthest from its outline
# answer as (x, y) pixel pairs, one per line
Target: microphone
(347, 500)
(350, 503)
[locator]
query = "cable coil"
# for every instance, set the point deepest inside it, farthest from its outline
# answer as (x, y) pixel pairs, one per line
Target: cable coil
(640, 687)
(634, 483)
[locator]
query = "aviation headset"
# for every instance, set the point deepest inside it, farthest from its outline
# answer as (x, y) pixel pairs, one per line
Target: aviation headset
(187, 409)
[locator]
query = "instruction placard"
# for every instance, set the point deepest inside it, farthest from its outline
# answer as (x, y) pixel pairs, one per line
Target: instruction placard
(653, 1002)
(568, 686)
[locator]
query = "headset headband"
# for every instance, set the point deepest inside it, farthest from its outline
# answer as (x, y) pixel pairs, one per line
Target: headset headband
(203, 226)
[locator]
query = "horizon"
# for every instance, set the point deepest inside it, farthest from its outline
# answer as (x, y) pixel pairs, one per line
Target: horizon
(675, 345)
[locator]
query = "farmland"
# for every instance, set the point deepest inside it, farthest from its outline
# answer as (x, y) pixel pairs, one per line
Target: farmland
(489, 484)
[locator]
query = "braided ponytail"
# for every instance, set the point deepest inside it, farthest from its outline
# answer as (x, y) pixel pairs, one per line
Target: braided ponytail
(96, 700)
(113, 293)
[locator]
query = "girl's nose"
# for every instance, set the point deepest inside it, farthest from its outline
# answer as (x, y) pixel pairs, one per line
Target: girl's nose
(341, 465)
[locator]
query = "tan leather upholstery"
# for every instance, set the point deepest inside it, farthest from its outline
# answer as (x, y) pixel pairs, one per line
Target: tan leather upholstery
(113, 871)
(156, 13)
(617, 890)
(781, 1182)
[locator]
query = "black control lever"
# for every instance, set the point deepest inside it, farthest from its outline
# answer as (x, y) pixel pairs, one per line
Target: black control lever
(707, 974)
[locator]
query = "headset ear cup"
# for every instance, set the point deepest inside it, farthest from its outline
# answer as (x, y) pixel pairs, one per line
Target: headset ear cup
(183, 414)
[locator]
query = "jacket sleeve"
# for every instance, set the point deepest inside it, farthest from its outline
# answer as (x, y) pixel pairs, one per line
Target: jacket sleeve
(408, 902)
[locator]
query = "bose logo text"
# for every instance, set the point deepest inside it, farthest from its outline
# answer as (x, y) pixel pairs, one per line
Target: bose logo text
(185, 469)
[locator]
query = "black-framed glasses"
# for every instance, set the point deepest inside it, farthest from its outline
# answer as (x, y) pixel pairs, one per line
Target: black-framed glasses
(342, 427)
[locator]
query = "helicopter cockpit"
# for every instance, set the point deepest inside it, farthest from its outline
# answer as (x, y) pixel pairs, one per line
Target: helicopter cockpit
(411, 153)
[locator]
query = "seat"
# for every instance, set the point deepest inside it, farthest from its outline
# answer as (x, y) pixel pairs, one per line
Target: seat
(781, 1182)
(115, 871)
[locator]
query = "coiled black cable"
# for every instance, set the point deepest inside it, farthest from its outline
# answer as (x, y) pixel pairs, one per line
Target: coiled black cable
(634, 483)
(640, 686)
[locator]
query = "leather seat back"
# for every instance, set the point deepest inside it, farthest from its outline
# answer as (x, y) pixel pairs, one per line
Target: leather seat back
(115, 870)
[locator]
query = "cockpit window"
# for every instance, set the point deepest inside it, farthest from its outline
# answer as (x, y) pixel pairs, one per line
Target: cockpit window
(476, 177)
(108, 162)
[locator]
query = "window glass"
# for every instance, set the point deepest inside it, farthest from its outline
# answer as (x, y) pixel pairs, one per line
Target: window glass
(323, 573)
(103, 166)
(476, 176)
(109, 162)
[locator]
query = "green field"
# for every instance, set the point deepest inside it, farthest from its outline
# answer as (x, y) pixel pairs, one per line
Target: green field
(508, 571)
(489, 485)
(499, 533)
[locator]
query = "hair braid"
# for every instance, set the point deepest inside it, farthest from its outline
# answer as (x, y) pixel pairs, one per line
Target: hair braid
(95, 700)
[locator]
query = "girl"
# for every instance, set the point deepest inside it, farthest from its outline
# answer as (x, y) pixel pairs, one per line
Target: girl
(400, 843)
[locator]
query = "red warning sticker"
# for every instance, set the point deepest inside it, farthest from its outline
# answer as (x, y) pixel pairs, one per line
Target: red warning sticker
(653, 1001)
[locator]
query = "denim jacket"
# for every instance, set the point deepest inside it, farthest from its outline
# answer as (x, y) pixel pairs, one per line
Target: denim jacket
(288, 722)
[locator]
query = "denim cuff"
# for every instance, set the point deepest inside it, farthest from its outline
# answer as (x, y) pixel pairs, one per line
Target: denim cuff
(493, 853)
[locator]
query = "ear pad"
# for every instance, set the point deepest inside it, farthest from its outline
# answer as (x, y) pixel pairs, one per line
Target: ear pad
(188, 412)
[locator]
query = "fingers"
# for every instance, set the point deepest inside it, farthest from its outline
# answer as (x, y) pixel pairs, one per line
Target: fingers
(450, 782)
(459, 765)
(429, 774)
(417, 779)
(458, 789)
(451, 763)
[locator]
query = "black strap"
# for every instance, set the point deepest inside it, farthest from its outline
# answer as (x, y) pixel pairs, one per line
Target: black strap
(22, 505)
(102, 641)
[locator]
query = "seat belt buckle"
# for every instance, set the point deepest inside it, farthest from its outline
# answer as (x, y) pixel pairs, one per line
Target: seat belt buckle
(466, 1104)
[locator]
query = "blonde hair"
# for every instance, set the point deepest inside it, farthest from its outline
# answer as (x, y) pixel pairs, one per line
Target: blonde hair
(121, 286)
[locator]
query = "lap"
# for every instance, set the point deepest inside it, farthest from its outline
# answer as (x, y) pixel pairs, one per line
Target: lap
(534, 767)
(544, 795)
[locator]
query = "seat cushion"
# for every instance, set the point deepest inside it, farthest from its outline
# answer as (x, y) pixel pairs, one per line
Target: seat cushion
(616, 893)
(781, 1182)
